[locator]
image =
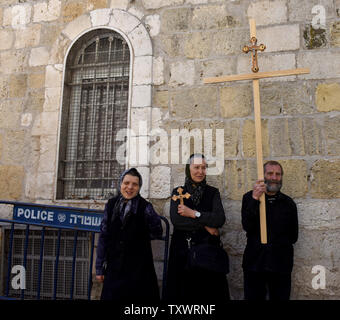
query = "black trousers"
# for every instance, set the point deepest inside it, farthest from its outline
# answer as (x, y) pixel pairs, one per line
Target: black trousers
(260, 285)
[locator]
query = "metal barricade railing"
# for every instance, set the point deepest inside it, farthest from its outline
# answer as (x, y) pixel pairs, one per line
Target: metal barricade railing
(20, 209)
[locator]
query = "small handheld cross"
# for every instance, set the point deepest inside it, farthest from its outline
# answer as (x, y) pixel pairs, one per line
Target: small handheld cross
(180, 196)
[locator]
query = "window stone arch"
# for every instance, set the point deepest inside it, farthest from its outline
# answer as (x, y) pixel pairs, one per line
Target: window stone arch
(140, 93)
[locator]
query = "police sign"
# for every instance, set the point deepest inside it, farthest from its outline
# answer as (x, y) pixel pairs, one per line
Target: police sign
(58, 217)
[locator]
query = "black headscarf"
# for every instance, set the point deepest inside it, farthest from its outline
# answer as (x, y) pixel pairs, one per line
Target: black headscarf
(196, 189)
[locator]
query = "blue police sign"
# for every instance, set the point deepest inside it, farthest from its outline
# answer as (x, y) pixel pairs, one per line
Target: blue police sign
(58, 217)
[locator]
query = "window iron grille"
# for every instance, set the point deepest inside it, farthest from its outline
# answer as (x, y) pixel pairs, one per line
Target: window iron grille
(97, 96)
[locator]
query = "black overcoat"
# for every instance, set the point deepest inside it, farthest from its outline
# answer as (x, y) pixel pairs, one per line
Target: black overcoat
(193, 285)
(282, 232)
(130, 274)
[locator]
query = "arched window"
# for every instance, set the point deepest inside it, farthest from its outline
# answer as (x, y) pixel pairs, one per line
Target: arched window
(95, 108)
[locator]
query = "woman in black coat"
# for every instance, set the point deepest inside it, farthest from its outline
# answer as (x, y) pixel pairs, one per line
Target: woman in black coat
(196, 221)
(124, 256)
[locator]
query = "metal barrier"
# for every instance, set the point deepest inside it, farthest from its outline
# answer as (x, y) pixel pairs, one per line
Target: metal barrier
(45, 218)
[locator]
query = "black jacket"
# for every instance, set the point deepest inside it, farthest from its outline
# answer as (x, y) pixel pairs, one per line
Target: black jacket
(186, 284)
(282, 232)
(125, 246)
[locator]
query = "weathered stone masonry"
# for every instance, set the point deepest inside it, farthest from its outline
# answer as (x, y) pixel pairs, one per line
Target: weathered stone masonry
(175, 44)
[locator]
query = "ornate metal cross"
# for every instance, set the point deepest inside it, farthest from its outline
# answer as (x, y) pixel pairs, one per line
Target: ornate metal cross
(257, 111)
(180, 196)
(253, 48)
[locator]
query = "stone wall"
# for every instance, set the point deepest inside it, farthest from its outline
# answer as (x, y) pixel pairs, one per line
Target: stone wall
(191, 40)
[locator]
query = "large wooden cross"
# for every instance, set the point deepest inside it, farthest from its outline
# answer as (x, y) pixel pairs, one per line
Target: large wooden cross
(255, 76)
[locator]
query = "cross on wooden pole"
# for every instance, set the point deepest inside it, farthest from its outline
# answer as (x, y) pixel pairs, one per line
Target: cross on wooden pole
(257, 110)
(180, 196)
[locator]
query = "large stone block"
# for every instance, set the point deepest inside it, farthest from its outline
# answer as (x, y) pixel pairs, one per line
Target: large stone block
(271, 98)
(288, 137)
(47, 152)
(11, 185)
(53, 76)
(198, 45)
(228, 42)
(270, 37)
(158, 71)
(182, 73)
(77, 26)
(14, 147)
(71, 10)
(194, 103)
(236, 101)
(161, 99)
(231, 138)
(9, 119)
(59, 49)
(44, 187)
(36, 80)
(240, 175)
(7, 39)
(141, 96)
(248, 139)
(322, 64)
(268, 12)
(140, 41)
(174, 20)
(295, 178)
(160, 182)
(100, 17)
(35, 100)
(13, 61)
(215, 68)
(52, 99)
(269, 62)
(47, 11)
(172, 45)
(335, 34)
(28, 36)
(297, 97)
(316, 214)
(142, 70)
(307, 10)
(211, 17)
(153, 24)
(38, 57)
(332, 135)
(325, 178)
(17, 86)
(18, 16)
(328, 97)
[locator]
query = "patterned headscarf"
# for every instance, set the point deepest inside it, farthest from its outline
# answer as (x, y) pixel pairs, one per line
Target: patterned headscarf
(123, 206)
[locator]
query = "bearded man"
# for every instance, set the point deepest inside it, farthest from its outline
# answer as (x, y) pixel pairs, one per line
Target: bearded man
(267, 267)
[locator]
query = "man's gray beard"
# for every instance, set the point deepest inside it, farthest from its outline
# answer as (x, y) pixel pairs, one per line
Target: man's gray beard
(273, 187)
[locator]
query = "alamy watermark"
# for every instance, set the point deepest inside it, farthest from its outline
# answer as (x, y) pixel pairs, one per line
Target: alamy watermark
(19, 280)
(319, 281)
(157, 146)
(319, 17)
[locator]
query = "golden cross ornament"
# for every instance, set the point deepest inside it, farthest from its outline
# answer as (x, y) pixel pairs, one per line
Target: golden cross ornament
(255, 76)
(180, 196)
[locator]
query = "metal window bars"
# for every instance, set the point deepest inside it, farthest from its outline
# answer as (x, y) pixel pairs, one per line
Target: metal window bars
(99, 87)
